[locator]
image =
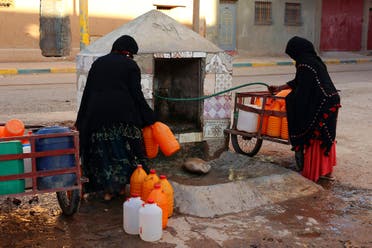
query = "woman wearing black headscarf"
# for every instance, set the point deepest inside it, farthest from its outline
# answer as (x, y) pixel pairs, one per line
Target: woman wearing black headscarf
(312, 108)
(112, 112)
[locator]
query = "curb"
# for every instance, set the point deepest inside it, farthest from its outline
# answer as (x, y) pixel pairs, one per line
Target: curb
(286, 63)
(15, 71)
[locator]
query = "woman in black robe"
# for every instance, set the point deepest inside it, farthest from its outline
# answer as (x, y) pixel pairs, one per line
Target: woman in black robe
(112, 113)
(312, 107)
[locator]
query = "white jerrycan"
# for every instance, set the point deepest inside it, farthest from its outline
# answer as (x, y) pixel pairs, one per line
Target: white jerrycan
(150, 221)
(131, 209)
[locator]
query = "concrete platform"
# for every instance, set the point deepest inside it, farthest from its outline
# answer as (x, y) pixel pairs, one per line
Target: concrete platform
(237, 183)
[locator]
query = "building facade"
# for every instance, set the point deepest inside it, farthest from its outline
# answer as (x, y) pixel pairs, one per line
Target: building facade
(43, 29)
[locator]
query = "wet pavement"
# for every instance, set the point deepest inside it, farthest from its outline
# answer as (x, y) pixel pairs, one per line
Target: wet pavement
(338, 216)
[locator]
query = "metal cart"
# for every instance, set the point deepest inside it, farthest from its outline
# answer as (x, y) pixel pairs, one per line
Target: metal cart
(68, 197)
(249, 143)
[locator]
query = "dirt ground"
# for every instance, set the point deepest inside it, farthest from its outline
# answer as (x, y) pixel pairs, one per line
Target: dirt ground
(338, 216)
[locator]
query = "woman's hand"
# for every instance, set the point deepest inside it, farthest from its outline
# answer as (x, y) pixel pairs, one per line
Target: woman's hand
(273, 89)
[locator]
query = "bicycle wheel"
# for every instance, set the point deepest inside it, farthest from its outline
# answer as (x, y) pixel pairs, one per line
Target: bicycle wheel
(69, 201)
(246, 145)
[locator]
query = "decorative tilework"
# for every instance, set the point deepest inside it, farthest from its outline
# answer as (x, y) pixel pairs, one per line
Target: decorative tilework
(162, 55)
(223, 82)
(227, 61)
(209, 57)
(209, 84)
(150, 102)
(216, 66)
(199, 55)
(215, 128)
(218, 107)
(145, 63)
(82, 80)
(181, 54)
(189, 137)
(146, 84)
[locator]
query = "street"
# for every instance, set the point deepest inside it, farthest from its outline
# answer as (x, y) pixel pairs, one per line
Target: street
(339, 216)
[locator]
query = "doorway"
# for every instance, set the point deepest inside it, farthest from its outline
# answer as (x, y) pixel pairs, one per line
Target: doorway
(180, 79)
(227, 26)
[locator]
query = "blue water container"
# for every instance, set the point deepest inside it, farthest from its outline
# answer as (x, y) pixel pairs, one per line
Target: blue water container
(55, 162)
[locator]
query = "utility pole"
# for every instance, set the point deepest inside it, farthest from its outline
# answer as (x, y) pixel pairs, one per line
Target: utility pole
(83, 20)
(196, 15)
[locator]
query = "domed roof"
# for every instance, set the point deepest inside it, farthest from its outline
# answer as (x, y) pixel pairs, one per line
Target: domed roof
(155, 32)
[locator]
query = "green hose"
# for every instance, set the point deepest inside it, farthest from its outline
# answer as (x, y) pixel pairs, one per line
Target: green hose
(209, 96)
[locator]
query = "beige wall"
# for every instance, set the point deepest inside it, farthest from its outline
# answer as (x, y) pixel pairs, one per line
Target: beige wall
(19, 24)
(258, 40)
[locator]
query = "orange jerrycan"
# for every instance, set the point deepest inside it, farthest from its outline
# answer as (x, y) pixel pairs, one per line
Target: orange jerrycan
(274, 122)
(136, 180)
(148, 184)
(151, 147)
(14, 127)
(169, 192)
(2, 131)
(282, 93)
(265, 120)
(284, 131)
(160, 198)
(165, 138)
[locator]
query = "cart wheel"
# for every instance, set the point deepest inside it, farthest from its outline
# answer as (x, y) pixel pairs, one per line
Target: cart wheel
(69, 201)
(246, 145)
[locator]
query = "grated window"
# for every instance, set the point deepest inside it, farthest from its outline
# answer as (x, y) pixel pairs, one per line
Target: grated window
(292, 16)
(262, 13)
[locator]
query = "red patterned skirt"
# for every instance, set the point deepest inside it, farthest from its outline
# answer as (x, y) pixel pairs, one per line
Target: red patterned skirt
(316, 164)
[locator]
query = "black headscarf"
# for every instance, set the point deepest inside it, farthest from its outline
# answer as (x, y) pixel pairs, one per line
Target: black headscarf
(313, 104)
(113, 92)
(126, 45)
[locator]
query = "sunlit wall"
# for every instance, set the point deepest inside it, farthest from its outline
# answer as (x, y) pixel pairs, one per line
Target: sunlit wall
(19, 24)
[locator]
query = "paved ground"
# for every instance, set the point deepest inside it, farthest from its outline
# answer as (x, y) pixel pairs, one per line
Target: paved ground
(338, 216)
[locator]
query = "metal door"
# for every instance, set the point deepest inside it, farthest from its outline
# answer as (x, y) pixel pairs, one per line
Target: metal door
(227, 26)
(341, 28)
(369, 41)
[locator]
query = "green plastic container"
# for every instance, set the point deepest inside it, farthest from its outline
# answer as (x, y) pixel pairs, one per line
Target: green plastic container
(11, 167)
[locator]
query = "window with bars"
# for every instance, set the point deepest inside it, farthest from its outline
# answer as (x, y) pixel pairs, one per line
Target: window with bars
(6, 3)
(262, 13)
(292, 15)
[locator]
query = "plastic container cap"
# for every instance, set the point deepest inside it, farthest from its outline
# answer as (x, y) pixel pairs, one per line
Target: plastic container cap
(157, 186)
(163, 177)
(135, 195)
(14, 127)
(152, 171)
(150, 201)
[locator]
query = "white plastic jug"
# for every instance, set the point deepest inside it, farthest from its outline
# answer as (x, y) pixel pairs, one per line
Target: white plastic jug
(150, 221)
(247, 121)
(131, 209)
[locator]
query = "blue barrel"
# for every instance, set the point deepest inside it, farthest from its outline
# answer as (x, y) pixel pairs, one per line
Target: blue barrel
(55, 162)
